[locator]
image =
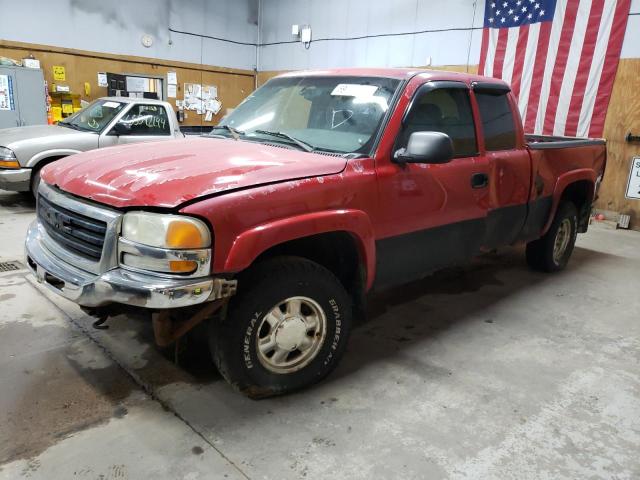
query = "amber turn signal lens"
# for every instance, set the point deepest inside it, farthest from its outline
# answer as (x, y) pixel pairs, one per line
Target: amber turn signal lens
(184, 235)
(9, 164)
(182, 266)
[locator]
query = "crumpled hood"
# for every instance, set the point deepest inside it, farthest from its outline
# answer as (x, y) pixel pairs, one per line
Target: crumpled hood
(166, 174)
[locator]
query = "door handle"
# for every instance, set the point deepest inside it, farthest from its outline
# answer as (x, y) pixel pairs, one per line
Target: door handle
(479, 180)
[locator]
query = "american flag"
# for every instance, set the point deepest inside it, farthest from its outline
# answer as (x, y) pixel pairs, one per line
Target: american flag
(560, 57)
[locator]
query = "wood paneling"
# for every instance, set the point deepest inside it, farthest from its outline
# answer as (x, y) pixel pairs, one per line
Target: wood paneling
(623, 117)
(82, 66)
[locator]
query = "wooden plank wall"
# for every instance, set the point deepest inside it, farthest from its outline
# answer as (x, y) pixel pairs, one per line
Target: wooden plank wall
(83, 66)
(623, 117)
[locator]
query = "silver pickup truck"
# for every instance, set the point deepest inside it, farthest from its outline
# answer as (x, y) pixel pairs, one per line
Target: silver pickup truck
(106, 122)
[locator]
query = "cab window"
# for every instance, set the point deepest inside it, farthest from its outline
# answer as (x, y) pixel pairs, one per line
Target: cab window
(446, 110)
(497, 122)
(146, 120)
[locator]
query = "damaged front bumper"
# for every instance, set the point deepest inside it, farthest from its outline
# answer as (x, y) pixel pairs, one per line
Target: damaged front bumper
(118, 285)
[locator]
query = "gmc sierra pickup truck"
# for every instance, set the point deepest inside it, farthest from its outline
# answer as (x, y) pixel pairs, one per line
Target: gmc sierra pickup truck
(319, 188)
(107, 121)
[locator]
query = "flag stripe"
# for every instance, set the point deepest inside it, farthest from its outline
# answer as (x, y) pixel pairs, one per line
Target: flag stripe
(555, 123)
(612, 58)
(554, 45)
(483, 50)
(586, 61)
(595, 72)
(547, 116)
(501, 48)
(510, 53)
(527, 69)
(493, 40)
(519, 60)
(536, 78)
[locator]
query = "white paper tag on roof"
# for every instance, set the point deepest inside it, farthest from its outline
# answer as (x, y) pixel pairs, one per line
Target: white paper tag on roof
(354, 90)
(111, 104)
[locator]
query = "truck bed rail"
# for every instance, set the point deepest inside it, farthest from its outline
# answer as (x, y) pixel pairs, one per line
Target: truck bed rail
(545, 142)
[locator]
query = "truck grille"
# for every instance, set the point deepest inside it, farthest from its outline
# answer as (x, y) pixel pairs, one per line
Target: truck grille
(73, 231)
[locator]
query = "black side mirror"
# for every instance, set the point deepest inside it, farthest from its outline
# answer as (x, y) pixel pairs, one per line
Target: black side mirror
(426, 147)
(121, 129)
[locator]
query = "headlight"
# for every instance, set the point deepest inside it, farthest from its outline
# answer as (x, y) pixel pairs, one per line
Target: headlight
(164, 243)
(165, 231)
(8, 158)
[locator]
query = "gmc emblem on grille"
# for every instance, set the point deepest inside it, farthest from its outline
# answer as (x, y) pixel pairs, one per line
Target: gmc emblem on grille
(55, 219)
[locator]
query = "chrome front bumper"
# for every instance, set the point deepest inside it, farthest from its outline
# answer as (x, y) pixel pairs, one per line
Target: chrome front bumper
(118, 285)
(16, 180)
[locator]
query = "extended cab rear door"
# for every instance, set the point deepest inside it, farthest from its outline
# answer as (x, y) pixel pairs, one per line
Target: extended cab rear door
(502, 145)
(431, 215)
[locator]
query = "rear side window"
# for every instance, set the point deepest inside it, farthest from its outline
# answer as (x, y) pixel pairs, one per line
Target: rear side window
(446, 110)
(497, 122)
(147, 120)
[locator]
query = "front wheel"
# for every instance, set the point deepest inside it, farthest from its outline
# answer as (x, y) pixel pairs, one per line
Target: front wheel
(551, 253)
(285, 330)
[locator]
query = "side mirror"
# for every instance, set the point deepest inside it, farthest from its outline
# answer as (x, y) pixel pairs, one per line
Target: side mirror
(426, 147)
(120, 129)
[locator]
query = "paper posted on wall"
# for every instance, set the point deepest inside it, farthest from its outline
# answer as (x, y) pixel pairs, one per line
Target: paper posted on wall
(6, 93)
(202, 98)
(171, 91)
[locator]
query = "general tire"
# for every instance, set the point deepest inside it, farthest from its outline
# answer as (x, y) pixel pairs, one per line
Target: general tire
(540, 253)
(234, 339)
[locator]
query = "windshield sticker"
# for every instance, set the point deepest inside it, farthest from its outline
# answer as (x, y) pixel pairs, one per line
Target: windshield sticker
(354, 90)
(111, 104)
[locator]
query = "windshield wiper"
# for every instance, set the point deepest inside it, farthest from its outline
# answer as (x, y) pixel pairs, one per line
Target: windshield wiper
(305, 146)
(234, 133)
(70, 125)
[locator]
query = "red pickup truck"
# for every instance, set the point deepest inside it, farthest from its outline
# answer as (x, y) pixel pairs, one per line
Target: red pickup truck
(320, 187)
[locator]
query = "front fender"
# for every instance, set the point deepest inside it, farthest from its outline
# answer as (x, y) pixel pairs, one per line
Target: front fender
(58, 152)
(250, 244)
(562, 183)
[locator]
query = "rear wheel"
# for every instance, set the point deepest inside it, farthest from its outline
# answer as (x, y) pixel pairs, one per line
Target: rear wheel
(285, 330)
(551, 253)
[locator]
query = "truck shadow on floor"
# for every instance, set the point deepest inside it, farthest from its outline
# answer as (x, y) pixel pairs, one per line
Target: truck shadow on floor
(415, 312)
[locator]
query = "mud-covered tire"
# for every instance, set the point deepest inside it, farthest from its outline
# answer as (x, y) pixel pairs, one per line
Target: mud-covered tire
(265, 287)
(551, 253)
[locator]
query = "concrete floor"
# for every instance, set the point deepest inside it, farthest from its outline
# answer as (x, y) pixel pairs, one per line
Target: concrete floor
(486, 372)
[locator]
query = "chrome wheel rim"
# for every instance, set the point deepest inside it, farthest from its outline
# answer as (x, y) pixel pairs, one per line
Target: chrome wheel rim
(291, 334)
(563, 235)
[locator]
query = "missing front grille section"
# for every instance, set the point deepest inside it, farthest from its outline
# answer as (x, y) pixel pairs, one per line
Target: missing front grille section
(10, 266)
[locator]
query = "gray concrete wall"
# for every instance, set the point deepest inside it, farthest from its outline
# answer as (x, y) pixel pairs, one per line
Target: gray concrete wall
(350, 18)
(117, 26)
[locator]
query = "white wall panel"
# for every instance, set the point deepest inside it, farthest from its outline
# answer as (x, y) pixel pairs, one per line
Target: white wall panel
(116, 26)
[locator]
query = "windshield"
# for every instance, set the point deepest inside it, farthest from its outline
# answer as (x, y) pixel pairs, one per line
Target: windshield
(337, 114)
(94, 117)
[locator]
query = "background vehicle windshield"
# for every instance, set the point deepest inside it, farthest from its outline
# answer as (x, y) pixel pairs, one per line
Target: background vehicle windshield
(95, 117)
(340, 114)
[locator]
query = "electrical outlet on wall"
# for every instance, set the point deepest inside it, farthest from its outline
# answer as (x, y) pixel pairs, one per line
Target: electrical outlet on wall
(305, 36)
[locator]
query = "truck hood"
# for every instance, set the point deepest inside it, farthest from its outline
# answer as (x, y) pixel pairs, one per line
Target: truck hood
(27, 141)
(169, 173)
(11, 137)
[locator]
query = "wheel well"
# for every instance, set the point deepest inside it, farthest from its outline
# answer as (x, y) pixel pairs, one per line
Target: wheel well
(581, 194)
(46, 161)
(336, 251)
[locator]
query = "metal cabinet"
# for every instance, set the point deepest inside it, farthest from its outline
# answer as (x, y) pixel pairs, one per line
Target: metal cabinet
(22, 97)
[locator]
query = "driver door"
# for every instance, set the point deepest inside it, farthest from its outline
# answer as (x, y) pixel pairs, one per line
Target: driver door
(434, 215)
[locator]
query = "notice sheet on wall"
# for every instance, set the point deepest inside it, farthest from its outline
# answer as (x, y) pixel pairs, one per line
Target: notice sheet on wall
(202, 98)
(6, 93)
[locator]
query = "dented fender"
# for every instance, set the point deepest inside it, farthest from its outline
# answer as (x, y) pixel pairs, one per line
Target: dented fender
(561, 185)
(248, 245)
